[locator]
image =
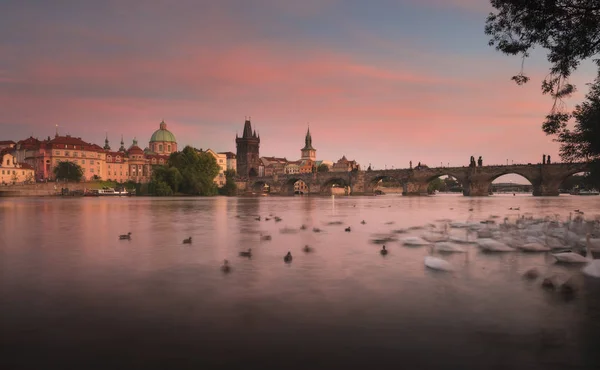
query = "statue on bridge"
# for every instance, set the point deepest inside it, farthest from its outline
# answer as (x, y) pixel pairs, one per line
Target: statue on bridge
(544, 159)
(548, 159)
(472, 163)
(410, 163)
(480, 162)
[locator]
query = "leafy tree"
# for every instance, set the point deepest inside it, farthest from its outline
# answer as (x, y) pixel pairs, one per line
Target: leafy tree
(570, 31)
(230, 187)
(434, 185)
(323, 168)
(189, 172)
(68, 171)
(161, 189)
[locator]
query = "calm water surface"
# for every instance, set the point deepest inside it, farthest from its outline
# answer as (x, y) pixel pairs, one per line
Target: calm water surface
(74, 296)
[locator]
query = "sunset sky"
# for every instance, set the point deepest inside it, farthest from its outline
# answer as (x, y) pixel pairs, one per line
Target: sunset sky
(381, 81)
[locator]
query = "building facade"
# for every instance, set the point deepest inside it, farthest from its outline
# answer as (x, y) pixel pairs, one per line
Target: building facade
(13, 172)
(247, 146)
(231, 160)
(162, 141)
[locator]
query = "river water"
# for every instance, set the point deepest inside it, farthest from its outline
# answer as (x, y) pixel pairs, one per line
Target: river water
(74, 296)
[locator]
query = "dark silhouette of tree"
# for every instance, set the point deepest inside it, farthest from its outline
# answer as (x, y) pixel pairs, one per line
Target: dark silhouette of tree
(570, 31)
(68, 171)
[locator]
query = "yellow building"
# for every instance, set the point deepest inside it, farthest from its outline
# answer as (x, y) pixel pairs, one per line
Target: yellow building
(221, 159)
(13, 172)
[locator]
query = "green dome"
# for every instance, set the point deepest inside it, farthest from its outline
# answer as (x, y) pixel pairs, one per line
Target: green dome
(162, 134)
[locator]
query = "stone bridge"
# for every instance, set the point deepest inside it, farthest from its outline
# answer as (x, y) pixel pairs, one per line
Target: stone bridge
(476, 181)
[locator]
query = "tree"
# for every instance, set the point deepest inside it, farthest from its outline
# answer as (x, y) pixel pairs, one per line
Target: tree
(323, 168)
(570, 31)
(436, 184)
(68, 171)
(230, 187)
(189, 172)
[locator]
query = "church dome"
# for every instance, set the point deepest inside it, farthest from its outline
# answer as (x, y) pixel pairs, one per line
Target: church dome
(163, 135)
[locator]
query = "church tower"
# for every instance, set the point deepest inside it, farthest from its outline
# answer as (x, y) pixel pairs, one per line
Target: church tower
(248, 159)
(308, 152)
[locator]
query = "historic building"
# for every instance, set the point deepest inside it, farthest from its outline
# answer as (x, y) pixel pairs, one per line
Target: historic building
(13, 172)
(344, 165)
(308, 152)
(221, 159)
(248, 158)
(231, 160)
(162, 141)
(125, 164)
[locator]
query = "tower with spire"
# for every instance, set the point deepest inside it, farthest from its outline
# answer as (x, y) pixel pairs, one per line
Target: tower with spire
(308, 152)
(122, 148)
(106, 145)
(248, 158)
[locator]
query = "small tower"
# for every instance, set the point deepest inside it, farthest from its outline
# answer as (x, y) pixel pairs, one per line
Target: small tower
(122, 148)
(106, 145)
(308, 152)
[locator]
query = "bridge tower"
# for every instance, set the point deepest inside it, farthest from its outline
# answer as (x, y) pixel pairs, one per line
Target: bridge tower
(248, 158)
(308, 152)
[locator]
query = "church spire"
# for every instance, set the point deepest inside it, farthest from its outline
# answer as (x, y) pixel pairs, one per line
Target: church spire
(106, 145)
(122, 148)
(308, 140)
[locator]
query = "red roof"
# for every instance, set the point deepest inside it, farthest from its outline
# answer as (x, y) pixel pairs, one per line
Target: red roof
(29, 143)
(7, 142)
(135, 150)
(25, 166)
(69, 142)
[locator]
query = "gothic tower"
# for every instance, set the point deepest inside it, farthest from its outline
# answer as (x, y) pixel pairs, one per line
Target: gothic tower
(308, 152)
(248, 159)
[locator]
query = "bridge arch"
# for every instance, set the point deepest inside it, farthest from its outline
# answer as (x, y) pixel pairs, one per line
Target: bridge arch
(430, 180)
(261, 186)
(291, 186)
(335, 182)
(384, 183)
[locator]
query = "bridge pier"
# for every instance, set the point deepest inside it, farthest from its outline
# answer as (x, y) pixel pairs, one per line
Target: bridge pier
(546, 189)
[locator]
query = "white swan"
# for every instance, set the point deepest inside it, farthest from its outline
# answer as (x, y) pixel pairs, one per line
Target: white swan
(492, 245)
(569, 257)
(534, 247)
(449, 247)
(415, 241)
(435, 263)
(592, 269)
(434, 237)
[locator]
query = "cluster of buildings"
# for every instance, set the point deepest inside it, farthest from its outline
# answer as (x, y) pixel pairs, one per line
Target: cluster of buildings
(35, 160)
(31, 159)
(250, 163)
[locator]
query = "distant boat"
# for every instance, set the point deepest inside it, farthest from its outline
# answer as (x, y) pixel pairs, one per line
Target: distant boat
(113, 192)
(584, 192)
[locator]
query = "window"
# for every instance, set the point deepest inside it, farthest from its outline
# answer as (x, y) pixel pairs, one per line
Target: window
(67, 154)
(75, 154)
(3, 172)
(91, 161)
(168, 148)
(83, 161)
(75, 161)
(23, 172)
(91, 170)
(160, 148)
(83, 154)
(57, 152)
(8, 162)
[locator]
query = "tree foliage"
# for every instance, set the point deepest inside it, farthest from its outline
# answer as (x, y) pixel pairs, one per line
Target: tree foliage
(570, 31)
(230, 187)
(68, 171)
(323, 168)
(188, 172)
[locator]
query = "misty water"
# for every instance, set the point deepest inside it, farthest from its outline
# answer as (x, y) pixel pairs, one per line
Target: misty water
(72, 295)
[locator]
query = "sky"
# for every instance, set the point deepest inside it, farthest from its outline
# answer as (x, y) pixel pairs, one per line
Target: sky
(383, 82)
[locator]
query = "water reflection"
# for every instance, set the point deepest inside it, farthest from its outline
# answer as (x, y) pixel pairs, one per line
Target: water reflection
(71, 292)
